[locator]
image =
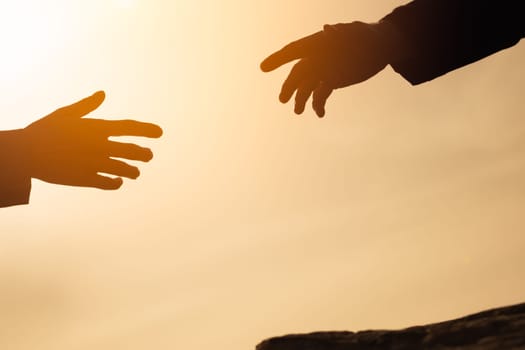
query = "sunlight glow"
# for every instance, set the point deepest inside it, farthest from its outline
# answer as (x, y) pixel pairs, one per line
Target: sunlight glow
(125, 3)
(29, 32)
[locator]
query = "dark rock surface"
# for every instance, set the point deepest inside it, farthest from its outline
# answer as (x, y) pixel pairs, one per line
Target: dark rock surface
(502, 328)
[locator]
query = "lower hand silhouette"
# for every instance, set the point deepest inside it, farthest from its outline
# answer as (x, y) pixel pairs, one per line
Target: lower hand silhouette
(64, 148)
(338, 56)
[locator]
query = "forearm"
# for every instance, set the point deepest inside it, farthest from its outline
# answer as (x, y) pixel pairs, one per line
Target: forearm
(15, 183)
(442, 35)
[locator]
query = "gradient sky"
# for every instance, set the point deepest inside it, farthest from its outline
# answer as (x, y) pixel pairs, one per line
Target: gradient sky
(403, 206)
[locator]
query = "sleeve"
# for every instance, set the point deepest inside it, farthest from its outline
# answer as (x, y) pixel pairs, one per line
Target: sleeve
(444, 35)
(15, 186)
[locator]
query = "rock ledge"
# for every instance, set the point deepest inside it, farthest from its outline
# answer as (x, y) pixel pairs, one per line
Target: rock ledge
(502, 328)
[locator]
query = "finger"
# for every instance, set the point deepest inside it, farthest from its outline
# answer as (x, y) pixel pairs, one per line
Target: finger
(127, 128)
(298, 49)
(297, 75)
(319, 97)
(104, 182)
(303, 94)
(129, 151)
(118, 168)
(82, 107)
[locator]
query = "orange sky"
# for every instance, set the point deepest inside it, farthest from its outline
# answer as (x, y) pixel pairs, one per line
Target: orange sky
(402, 206)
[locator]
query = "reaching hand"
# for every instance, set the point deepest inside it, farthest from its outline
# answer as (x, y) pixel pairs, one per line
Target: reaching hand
(338, 56)
(64, 148)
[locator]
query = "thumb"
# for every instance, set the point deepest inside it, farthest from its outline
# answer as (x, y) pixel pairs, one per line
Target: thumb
(82, 107)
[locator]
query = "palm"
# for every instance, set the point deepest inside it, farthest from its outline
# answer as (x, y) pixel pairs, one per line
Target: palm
(64, 148)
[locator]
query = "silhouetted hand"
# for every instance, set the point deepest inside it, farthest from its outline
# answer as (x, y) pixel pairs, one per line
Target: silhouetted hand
(338, 56)
(64, 148)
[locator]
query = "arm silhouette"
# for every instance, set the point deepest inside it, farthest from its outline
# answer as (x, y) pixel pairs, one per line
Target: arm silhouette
(421, 41)
(65, 148)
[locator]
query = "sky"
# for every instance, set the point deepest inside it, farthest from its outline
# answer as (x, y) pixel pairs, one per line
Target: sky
(402, 206)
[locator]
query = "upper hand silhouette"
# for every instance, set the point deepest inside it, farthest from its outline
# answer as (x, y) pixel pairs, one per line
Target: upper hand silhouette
(64, 148)
(338, 56)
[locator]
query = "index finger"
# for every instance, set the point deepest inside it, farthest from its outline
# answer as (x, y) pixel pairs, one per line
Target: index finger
(298, 49)
(129, 128)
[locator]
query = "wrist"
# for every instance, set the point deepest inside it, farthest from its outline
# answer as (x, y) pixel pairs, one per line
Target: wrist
(393, 40)
(15, 178)
(15, 150)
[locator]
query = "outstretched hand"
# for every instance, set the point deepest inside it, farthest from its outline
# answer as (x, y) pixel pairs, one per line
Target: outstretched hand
(338, 56)
(65, 148)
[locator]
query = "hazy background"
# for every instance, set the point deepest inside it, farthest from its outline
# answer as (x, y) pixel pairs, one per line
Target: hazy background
(403, 206)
